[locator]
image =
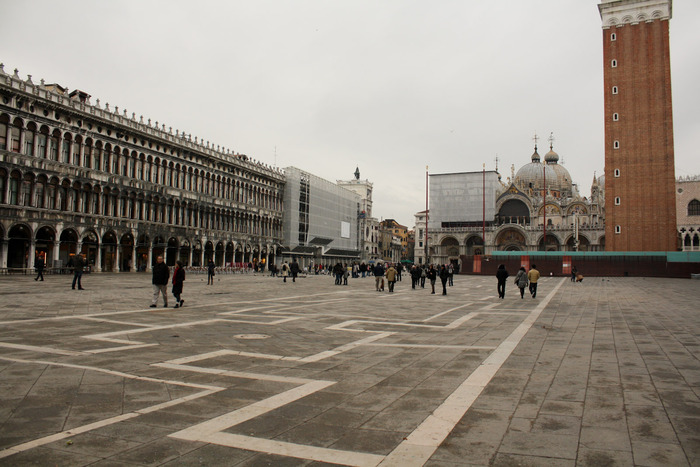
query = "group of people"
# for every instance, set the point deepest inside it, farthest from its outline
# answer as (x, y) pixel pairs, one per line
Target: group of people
(522, 279)
(418, 275)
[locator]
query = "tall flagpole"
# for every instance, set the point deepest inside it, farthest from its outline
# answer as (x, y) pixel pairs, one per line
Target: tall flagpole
(544, 207)
(426, 215)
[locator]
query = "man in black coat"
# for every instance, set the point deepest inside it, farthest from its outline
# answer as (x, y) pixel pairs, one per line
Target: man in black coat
(161, 274)
(39, 266)
(294, 269)
(78, 267)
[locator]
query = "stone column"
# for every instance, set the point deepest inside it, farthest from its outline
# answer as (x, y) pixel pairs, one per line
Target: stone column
(189, 263)
(56, 252)
(134, 268)
(117, 259)
(98, 260)
(31, 253)
(3, 253)
(150, 257)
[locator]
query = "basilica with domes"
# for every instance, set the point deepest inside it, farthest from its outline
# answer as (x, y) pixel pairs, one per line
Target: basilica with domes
(537, 208)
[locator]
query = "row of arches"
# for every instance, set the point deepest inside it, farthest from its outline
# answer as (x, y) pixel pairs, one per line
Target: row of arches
(41, 141)
(94, 198)
(509, 239)
(122, 251)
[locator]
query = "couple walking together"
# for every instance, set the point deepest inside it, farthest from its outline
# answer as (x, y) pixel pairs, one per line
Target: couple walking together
(161, 274)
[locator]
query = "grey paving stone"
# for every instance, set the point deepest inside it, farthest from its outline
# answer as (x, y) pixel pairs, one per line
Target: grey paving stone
(607, 375)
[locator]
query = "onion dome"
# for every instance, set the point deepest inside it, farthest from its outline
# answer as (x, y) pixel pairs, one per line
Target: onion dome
(551, 156)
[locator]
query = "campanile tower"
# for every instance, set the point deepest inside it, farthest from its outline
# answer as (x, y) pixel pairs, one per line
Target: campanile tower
(640, 213)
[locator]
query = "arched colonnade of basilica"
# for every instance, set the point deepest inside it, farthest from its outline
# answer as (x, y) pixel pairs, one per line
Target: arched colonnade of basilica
(448, 245)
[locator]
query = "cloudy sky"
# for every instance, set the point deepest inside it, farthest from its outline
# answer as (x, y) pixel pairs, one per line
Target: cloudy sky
(388, 86)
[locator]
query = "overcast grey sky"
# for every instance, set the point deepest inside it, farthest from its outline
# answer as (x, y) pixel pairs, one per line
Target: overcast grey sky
(388, 86)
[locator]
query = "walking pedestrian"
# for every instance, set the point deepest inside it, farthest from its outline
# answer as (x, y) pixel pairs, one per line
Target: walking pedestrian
(423, 275)
(294, 269)
(521, 280)
(178, 279)
(391, 275)
(533, 276)
(444, 276)
(39, 266)
(574, 272)
(211, 272)
(415, 276)
(285, 271)
(78, 267)
(432, 277)
(161, 274)
(451, 273)
(379, 277)
(501, 276)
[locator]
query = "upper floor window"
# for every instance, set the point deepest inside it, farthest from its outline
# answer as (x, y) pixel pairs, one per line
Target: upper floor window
(694, 208)
(617, 172)
(616, 117)
(613, 37)
(614, 63)
(614, 89)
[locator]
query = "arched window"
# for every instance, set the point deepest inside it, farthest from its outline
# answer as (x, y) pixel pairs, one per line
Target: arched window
(3, 132)
(694, 208)
(14, 188)
(15, 135)
(29, 136)
(3, 176)
(42, 142)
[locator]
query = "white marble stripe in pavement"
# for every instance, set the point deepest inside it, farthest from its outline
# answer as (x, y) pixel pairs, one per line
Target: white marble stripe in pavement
(420, 445)
(445, 312)
(113, 372)
(281, 448)
(436, 346)
(203, 431)
(34, 348)
(233, 374)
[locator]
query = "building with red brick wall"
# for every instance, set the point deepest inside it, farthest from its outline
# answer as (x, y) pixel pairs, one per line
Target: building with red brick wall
(639, 157)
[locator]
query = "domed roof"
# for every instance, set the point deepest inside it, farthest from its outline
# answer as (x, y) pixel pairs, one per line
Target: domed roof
(551, 156)
(563, 176)
(534, 173)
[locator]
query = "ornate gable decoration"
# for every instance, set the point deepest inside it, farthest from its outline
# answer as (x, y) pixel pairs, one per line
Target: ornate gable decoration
(512, 191)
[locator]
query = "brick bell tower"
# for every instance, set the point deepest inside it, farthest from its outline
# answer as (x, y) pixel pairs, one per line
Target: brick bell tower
(640, 212)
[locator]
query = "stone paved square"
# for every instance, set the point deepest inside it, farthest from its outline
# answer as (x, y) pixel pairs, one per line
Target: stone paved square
(256, 371)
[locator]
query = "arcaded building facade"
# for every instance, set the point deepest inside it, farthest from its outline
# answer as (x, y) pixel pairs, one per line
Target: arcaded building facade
(82, 177)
